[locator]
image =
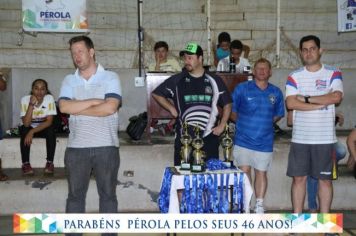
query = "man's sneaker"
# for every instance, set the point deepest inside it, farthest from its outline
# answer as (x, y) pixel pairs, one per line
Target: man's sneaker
(27, 169)
(49, 168)
(259, 208)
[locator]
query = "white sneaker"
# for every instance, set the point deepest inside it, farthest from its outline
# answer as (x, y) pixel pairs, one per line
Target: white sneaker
(259, 208)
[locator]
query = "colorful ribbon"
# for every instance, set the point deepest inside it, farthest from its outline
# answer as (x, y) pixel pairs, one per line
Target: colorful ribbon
(201, 195)
(163, 198)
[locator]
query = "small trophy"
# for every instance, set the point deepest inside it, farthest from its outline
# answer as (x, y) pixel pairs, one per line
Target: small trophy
(185, 149)
(198, 154)
(226, 144)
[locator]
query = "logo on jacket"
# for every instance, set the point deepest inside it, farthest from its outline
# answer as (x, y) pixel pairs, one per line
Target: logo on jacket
(272, 99)
(320, 84)
(208, 90)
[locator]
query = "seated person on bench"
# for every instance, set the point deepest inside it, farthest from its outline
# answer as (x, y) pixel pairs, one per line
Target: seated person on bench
(37, 112)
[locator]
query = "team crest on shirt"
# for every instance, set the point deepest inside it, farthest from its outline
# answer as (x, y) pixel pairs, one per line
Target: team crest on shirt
(320, 84)
(187, 79)
(208, 90)
(272, 98)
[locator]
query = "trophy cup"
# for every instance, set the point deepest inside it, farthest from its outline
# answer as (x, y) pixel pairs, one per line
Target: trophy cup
(185, 149)
(198, 154)
(226, 144)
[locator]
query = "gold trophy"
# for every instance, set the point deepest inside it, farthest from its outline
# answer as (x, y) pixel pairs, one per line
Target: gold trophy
(226, 144)
(198, 154)
(186, 149)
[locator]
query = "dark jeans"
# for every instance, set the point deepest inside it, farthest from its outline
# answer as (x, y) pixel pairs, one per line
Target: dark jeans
(79, 163)
(47, 133)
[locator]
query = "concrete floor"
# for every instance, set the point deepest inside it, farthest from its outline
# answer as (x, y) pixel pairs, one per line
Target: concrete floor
(159, 152)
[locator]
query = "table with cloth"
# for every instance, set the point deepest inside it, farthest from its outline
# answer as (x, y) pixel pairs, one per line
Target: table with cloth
(219, 189)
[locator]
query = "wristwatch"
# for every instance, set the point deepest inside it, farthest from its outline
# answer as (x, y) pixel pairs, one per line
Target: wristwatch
(306, 99)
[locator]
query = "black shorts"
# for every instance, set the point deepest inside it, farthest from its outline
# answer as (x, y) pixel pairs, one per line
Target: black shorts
(311, 160)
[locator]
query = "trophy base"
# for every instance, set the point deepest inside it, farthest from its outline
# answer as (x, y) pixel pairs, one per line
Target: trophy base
(185, 166)
(198, 168)
(228, 164)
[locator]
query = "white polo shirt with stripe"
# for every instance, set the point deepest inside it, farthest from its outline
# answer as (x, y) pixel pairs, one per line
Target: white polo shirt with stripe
(317, 126)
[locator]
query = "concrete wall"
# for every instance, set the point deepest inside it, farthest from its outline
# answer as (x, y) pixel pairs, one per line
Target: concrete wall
(134, 98)
(113, 27)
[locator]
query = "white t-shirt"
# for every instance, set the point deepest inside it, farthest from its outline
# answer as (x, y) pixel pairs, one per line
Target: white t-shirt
(171, 65)
(317, 126)
(224, 65)
(40, 112)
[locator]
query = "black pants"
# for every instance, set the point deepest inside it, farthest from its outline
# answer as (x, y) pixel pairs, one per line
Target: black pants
(211, 147)
(47, 133)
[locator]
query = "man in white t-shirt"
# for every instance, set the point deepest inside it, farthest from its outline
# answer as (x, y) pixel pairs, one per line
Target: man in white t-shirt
(312, 92)
(162, 62)
(236, 48)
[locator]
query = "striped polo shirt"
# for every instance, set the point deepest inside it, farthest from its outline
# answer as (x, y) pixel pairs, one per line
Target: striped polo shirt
(92, 131)
(317, 126)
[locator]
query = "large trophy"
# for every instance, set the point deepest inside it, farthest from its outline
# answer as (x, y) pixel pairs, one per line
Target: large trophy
(226, 144)
(186, 149)
(198, 154)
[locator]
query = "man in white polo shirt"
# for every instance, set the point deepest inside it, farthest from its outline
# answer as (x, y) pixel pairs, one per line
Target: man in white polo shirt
(312, 92)
(92, 97)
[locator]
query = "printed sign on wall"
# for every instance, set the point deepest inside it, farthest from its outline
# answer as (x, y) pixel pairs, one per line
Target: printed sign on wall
(346, 10)
(54, 15)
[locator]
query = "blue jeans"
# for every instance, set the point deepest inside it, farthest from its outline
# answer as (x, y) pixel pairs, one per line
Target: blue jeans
(312, 183)
(79, 163)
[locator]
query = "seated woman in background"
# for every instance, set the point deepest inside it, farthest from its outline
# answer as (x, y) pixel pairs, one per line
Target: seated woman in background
(223, 48)
(37, 111)
(162, 62)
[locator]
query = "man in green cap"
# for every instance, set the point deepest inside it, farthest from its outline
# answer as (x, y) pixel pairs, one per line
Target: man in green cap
(196, 97)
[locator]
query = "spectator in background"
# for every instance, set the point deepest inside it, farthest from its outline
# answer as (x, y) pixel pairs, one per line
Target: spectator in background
(3, 177)
(223, 48)
(37, 112)
(162, 62)
(236, 48)
(351, 145)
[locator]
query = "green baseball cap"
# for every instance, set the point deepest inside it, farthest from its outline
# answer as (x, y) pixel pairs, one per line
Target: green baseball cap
(192, 48)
